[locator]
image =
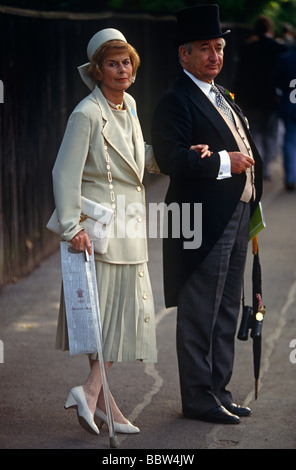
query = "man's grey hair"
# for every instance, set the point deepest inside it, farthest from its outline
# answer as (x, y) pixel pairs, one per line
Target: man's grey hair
(188, 47)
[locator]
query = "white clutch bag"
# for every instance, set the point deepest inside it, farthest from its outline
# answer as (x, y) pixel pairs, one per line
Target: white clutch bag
(96, 219)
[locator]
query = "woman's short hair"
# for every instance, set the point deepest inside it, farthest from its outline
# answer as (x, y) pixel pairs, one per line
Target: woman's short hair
(96, 61)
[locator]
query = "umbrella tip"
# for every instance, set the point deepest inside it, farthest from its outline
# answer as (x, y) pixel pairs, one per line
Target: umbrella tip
(114, 442)
(256, 389)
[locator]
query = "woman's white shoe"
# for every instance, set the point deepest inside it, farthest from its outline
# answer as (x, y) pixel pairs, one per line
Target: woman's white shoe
(76, 399)
(127, 428)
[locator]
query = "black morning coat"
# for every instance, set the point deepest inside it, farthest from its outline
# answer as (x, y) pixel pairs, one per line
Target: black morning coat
(185, 117)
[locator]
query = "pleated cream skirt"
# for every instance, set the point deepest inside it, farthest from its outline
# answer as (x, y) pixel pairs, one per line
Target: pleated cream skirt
(127, 314)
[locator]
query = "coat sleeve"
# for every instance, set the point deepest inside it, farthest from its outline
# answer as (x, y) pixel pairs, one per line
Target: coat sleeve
(150, 162)
(67, 173)
(172, 137)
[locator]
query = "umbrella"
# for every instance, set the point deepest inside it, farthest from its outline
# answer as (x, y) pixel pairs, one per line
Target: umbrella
(83, 314)
(258, 312)
(252, 317)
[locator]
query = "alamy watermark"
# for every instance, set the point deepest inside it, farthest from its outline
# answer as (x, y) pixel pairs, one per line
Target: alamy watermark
(1, 352)
(1, 91)
(293, 92)
(292, 356)
(159, 220)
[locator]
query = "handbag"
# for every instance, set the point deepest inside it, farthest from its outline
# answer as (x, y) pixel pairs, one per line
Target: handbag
(96, 219)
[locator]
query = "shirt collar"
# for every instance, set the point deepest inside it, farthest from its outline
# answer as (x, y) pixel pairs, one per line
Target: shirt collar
(204, 86)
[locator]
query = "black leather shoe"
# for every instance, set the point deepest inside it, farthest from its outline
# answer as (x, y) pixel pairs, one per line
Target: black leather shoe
(238, 410)
(219, 415)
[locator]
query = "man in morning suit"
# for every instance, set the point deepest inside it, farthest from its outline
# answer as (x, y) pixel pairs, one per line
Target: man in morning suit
(205, 282)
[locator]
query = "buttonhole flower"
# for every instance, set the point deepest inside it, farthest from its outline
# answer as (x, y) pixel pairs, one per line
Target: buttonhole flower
(231, 95)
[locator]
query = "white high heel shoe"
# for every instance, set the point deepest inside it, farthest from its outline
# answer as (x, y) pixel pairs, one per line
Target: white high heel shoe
(76, 399)
(127, 428)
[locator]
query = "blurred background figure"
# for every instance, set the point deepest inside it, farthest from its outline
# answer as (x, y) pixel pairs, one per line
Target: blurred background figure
(285, 80)
(287, 35)
(255, 91)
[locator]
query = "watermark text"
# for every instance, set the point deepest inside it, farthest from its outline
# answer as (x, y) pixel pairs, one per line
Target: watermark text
(1, 352)
(293, 92)
(159, 220)
(292, 356)
(1, 91)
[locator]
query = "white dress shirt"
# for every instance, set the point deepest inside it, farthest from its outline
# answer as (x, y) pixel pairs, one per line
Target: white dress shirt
(225, 165)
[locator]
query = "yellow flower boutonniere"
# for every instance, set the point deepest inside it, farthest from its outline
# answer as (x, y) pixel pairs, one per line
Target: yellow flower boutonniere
(231, 95)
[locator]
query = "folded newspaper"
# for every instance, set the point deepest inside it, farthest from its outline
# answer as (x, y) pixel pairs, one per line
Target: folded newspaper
(81, 300)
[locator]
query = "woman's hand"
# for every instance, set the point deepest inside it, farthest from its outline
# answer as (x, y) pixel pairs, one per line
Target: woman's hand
(81, 241)
(203, 149)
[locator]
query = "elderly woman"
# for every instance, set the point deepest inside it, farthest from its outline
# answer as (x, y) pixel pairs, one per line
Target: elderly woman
(106, 123)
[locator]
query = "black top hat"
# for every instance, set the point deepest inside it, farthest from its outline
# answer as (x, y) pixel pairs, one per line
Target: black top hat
(198, 23)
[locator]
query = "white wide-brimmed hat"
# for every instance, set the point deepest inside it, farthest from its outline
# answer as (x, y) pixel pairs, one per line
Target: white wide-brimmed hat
(96, 41)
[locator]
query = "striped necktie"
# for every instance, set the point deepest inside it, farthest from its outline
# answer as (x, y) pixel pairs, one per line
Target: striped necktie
(222, 103)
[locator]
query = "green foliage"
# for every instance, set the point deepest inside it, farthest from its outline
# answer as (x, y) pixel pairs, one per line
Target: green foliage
(281, 11)
(57, 5)
(231, 10)
(242, 11)
(154, 6)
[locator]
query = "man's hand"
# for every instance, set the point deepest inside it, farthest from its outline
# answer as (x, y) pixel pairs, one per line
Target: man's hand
(203, 149)
(81, 241)
(240, 162)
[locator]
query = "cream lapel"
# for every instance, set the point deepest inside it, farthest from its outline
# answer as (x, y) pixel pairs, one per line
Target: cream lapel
(111, 131)
(137, 134)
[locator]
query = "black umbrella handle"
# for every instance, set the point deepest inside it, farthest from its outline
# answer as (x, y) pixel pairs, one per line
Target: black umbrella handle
(258, 323)
(246, 323)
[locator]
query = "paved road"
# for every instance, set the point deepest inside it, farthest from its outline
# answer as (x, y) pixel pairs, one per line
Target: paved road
(34, 378)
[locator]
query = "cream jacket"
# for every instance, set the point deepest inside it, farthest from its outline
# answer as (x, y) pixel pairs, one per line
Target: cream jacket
(81, 169)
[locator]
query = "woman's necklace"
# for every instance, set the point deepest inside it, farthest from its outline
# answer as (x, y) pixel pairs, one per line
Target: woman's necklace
(115, 106)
